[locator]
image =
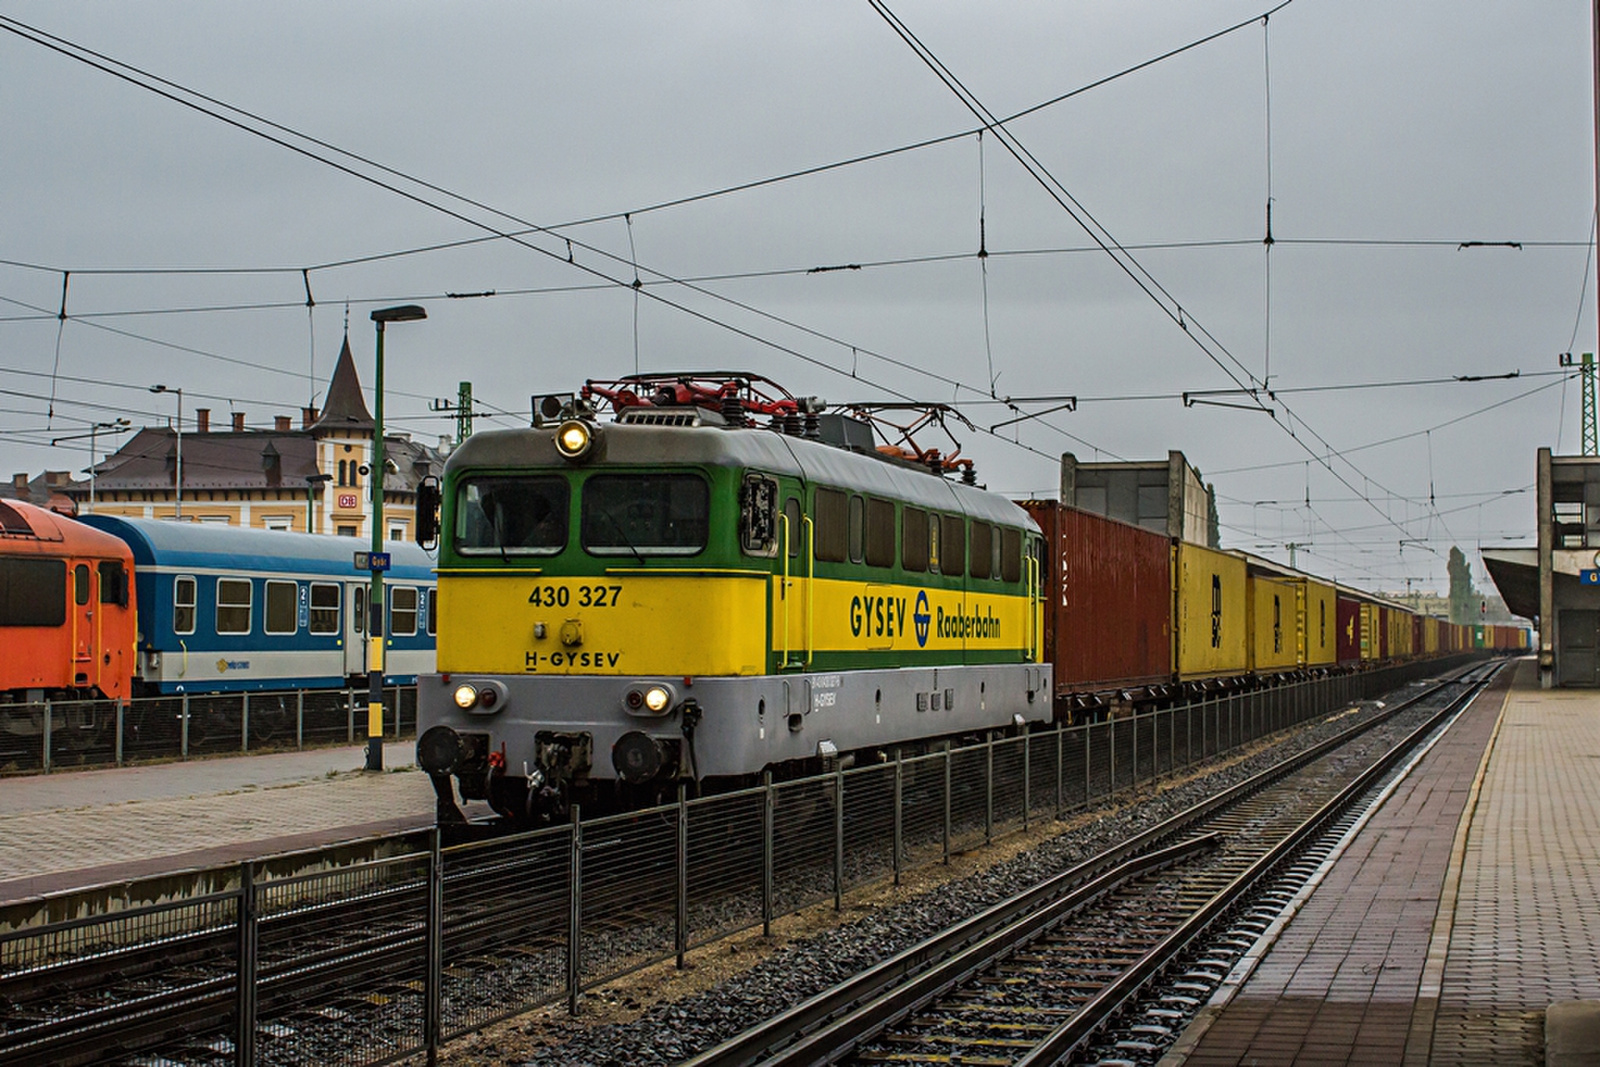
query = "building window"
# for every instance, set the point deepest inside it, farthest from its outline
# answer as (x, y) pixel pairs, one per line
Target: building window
(346, 531)
(183, 605)
(280, 614)
(324, 608)
(403, 612)
(233, 606)
(341, 480)
(397, 533)
(278, 522)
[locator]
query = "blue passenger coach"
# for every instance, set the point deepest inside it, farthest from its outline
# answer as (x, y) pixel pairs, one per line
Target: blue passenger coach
(223, 608)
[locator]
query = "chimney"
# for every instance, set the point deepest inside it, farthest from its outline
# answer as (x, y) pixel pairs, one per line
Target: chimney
(56, 479)
(308, 416)
(202, 420)
(19, 486)
(238, 422)
(280, 423)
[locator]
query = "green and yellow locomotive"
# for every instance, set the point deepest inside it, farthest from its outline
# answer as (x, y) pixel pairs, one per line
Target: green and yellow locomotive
(682, 595)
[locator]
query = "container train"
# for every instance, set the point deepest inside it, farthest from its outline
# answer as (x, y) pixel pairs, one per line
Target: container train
(112, 607)
(722, 580)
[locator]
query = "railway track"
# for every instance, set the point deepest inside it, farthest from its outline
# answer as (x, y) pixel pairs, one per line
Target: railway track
(1040, 978)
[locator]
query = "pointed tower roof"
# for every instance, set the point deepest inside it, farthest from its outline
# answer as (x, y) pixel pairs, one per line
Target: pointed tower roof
(346, 408)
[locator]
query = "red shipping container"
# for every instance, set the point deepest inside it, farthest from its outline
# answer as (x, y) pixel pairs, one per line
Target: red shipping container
(1108, 600)
(1349, 630)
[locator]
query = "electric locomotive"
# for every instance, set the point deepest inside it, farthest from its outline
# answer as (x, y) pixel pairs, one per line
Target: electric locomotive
(680, 595)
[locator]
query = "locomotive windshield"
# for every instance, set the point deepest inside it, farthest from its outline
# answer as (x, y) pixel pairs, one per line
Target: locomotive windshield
(512, 516)
(645, 514)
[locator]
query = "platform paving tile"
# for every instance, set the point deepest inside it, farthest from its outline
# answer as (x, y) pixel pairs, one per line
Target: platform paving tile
(84, 828)
(1340, 984)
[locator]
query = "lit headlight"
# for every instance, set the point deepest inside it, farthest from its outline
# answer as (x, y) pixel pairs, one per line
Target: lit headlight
(573, 438)
(466, 696)
(656, 699)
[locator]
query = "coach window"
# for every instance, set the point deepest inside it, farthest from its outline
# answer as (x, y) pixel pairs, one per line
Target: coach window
(113, 583)
(433, 611)
(280, 613)
(358, 610)
(80, 583)
(953, 558)
(794, 534)
(233, 606)
(1010, 555)
(645, 514)
(858, 528)
(914, 539)
(402, 611)
(880, 532)
(982, 535)
(832, 510)
(324, 608)
(183, 605)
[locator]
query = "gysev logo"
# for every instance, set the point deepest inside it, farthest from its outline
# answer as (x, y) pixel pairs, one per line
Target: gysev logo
(921, 618)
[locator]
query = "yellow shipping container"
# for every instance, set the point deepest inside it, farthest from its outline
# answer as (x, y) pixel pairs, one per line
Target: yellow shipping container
(1371, 620)
(1401, 633)
(1273, 621)
(1321, 623)
(1209, 611)
(1430, 635)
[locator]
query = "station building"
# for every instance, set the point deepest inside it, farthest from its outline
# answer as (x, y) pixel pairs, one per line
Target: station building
(314, 477)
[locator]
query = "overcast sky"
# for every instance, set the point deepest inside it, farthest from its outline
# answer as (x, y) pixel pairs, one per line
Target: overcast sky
(1397, 132)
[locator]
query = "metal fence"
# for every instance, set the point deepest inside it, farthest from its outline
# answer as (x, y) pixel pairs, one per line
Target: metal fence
(378, 961)
(60, 735)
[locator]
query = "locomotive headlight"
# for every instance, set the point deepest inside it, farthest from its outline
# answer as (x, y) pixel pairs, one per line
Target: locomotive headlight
(656, 699)
(466, 696)
(574, 438)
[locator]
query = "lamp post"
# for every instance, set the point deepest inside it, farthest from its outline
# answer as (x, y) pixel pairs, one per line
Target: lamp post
(402, 313)
(93, 435)
(177, 511)
(312, 481)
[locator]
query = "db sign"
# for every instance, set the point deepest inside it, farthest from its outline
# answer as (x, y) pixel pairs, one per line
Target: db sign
(348, 500)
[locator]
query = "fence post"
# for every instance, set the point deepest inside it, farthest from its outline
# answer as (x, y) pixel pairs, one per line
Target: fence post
(244, 1038)
(768, 818)
(1088, 773)
(1027, 775)
(899, 817)
(988, 787)
(1061, 768)
(299, 718)
(1111, 744)
(1188, 734)
(838, 839)
(682, 921)
(244, 723)
(185, 713)
(433, 937)
(119, 733)
(575, 912)
(49, 713)
(1134, 781)
(947, 805)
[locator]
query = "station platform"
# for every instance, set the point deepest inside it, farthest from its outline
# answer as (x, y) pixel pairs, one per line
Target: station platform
(1467, 904)
(77, 829)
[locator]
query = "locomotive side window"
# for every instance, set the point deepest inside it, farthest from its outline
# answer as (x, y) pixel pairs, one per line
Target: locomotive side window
(832, 510)
(33, 592)
(933, 542)
(324, 608)
(858, 528)
(953, 558)
(512, 516)
(402, 611)
(982, 536)
(645, 514)
(80, 583)
(183, 605)
(280, 613)
(880, 532)
(233, 605)
(791, 512)
(1010, 555)
(914, 540)
(113, 583)
(758, 515)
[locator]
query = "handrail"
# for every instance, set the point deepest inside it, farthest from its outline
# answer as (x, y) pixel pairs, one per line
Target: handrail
(783, 589)
(811, 583)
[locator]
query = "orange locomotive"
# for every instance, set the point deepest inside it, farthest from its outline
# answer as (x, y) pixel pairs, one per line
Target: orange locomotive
(66, 614)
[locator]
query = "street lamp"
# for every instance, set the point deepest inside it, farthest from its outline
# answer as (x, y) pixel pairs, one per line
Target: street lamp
(93, 435)
(177, 511)
(402, 313)
(312, 481)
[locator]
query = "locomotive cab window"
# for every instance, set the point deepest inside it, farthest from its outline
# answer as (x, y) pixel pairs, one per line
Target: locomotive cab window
(324, 608)
(233, 605)
(512, 516)
(183, 605)
(279, 617)
(645, 514)
(33, 592)
(113, 583)
(758, 515)
(402, 611)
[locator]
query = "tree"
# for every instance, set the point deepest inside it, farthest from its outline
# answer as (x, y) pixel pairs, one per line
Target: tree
(1463, 598)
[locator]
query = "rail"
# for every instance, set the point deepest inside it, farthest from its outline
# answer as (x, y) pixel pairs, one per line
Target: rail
(375, 962)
